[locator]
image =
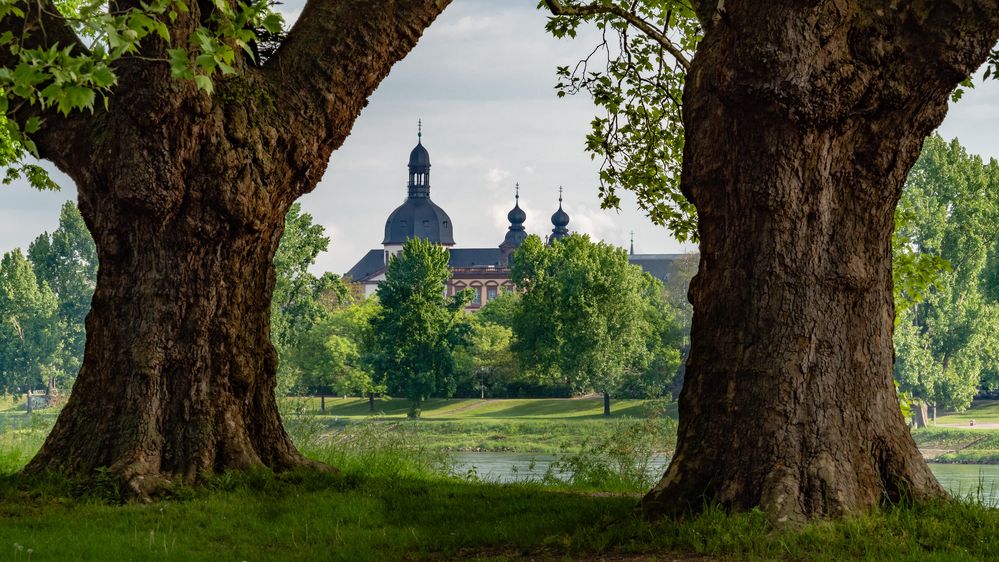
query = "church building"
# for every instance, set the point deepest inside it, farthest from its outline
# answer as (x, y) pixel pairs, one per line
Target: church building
(486, 271)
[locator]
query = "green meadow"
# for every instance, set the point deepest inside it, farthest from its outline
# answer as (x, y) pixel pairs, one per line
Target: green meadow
(398, 496)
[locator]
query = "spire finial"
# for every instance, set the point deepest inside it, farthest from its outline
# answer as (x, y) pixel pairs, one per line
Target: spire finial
(517, 192)
(632, 242)
(419, 130)
(560, 196)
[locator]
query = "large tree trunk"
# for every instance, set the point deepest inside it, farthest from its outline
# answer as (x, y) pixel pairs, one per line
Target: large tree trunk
(185, 195)
(802, 121)
(179, 370)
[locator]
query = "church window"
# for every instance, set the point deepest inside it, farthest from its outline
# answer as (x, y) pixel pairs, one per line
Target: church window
(477, 295)
(490, 293)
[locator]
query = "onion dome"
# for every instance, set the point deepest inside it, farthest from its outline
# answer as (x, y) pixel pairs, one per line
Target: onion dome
(560, 220)
(516, 234)
(418, 216)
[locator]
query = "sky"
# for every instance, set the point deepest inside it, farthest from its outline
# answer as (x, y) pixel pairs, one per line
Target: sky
(482, 81)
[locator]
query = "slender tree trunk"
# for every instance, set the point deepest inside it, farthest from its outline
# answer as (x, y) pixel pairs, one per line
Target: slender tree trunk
(802, 121)
(606, 404)
(322, 403)
(371, 401)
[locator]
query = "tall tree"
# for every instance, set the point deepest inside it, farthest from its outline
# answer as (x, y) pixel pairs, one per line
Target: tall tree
(951, 200)
(186, 195)
(418, 328)
(583, 315)
(29, 340)
(800, 123)
(301, 300)
(66, 261)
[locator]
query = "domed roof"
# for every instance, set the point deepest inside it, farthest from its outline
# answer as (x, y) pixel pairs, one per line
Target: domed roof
(419, 217)
(560, 218)
(516, 215)
(419, 157)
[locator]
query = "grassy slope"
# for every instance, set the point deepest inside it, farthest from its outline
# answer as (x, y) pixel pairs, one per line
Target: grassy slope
(982, 411)
(472, 408)
(521, 425)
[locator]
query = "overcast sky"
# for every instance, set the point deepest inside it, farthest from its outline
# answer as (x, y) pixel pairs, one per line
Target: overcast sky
(482, 81)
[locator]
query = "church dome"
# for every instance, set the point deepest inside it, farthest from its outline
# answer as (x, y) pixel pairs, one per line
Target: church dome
(419, 157)
(419, 217)
(560, 218)
(516, 215)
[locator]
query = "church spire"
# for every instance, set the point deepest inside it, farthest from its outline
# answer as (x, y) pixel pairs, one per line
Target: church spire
(632, 242)
(419, 166)
(516, 234)
(560, 220)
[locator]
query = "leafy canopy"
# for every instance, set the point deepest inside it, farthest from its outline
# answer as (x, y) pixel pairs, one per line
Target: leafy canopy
(418, 328)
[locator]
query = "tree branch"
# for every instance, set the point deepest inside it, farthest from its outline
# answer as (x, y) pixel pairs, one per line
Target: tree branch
(336, 55)
(559, 9)
(42, 27)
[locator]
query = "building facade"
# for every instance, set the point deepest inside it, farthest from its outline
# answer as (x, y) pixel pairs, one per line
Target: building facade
(486, 271)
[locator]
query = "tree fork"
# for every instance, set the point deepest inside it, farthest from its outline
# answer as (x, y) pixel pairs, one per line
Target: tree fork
(185, 196)
(795, 166)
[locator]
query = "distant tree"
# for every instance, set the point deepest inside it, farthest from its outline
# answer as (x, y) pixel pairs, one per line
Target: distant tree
(29, 346)
(487, 362)
(418, 328)
(500, 310)
(300, 298)
(582, 316)
(66, 260)
(949, 210)
(668, 334)
(677, 284)
(333, 353)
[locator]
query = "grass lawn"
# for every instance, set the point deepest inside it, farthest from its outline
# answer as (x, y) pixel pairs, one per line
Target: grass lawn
(474, 408)
(384, 517)
(396, 499)
(521, 425)
(982, 411)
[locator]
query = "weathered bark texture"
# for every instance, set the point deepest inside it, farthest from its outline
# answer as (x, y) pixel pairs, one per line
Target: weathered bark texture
(186, 195)
(802, 122)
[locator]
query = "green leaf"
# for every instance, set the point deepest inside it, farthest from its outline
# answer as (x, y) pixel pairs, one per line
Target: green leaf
(204, 83)
(273, 23)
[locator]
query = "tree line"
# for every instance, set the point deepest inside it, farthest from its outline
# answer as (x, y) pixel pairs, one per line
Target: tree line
(585, 320)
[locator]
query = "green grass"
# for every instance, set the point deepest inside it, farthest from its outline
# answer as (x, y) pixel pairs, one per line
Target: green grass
(982, 411)
(397, 497)
(312, 516)
(473, 408)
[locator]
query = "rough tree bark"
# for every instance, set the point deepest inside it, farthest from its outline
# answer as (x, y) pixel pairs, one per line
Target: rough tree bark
(186, 195)
(802, 122)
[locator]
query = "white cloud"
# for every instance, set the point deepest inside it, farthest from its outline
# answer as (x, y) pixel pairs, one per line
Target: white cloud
(467, 25)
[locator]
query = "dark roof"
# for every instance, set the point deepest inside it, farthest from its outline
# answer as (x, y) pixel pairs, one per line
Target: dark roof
(516, 215)
(419, 217)
(373, 262)
(656, 265)
(419, 157)
(475, 257)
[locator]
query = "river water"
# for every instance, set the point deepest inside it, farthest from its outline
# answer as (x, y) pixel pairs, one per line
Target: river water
(978, 480)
